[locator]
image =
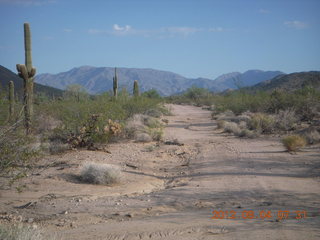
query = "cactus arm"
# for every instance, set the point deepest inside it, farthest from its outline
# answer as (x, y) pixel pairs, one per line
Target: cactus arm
(27, 46)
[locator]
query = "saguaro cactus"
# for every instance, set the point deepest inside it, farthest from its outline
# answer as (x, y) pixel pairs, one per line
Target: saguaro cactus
(27, 72)
(115, 83)
(11, 100)
(136, 91)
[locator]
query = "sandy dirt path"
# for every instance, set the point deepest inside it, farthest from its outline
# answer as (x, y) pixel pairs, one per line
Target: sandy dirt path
(206, 189)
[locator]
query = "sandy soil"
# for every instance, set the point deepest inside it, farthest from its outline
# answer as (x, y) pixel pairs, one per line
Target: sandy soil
(174, 190)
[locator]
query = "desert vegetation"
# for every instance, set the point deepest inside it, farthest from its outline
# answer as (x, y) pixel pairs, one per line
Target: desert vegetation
(38, 124)
(247, 113)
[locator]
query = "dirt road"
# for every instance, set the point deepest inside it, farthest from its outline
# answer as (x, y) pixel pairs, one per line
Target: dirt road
(214, 186)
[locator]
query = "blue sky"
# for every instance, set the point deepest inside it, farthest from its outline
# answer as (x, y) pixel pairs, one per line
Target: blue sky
(195, 38)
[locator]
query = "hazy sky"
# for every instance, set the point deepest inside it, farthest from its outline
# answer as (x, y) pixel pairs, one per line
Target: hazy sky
(195, 38)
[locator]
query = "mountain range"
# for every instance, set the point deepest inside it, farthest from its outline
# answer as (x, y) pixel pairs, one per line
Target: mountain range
(99, 79)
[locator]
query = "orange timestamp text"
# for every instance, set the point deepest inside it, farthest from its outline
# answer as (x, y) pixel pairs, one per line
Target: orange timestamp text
(261, 214)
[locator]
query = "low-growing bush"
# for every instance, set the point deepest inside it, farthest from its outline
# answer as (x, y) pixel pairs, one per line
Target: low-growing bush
(156, 113)
(15, 150)
(263, 123)
(311, 134)
(286, 119)
(294, 142)
(231, 127)
(247, 133)
(156, 134)
(220, 124)
(98, 173)
(143, 137)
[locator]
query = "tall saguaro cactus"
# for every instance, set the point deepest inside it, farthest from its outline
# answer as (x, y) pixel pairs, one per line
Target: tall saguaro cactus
(27, 72)
(136, 91)
(11, 100)
(115, 83)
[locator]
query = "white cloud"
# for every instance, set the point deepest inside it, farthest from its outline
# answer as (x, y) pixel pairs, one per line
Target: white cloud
(296, 24)
(118, 30)
(67, 30)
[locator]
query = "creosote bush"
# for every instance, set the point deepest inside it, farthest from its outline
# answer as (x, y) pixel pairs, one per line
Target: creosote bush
(294, 142)
(98, 173)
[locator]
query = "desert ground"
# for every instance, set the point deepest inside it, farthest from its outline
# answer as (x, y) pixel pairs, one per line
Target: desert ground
(172, 191)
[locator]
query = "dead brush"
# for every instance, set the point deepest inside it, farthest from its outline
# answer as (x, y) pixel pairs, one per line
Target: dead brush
(98, 173)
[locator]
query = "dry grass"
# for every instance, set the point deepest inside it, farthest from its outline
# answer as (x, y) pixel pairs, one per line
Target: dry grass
(97, 173)
(294, 142)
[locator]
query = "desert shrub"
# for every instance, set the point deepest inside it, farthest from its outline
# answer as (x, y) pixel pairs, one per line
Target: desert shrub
(294, 142)
(243, 125)
(151, 122)
(156, 133)
(153, 113)
(193, 96)
(220, 124)
(57, 147)
(151, 94)
(95, 119)
(24, 232)
(247, 133)
(97, 173)
(311, 134)
(143, 137)
(134, 125)
(286, 119)
(262, 123)
(231, 127)
(46, 123)
(15, 149)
